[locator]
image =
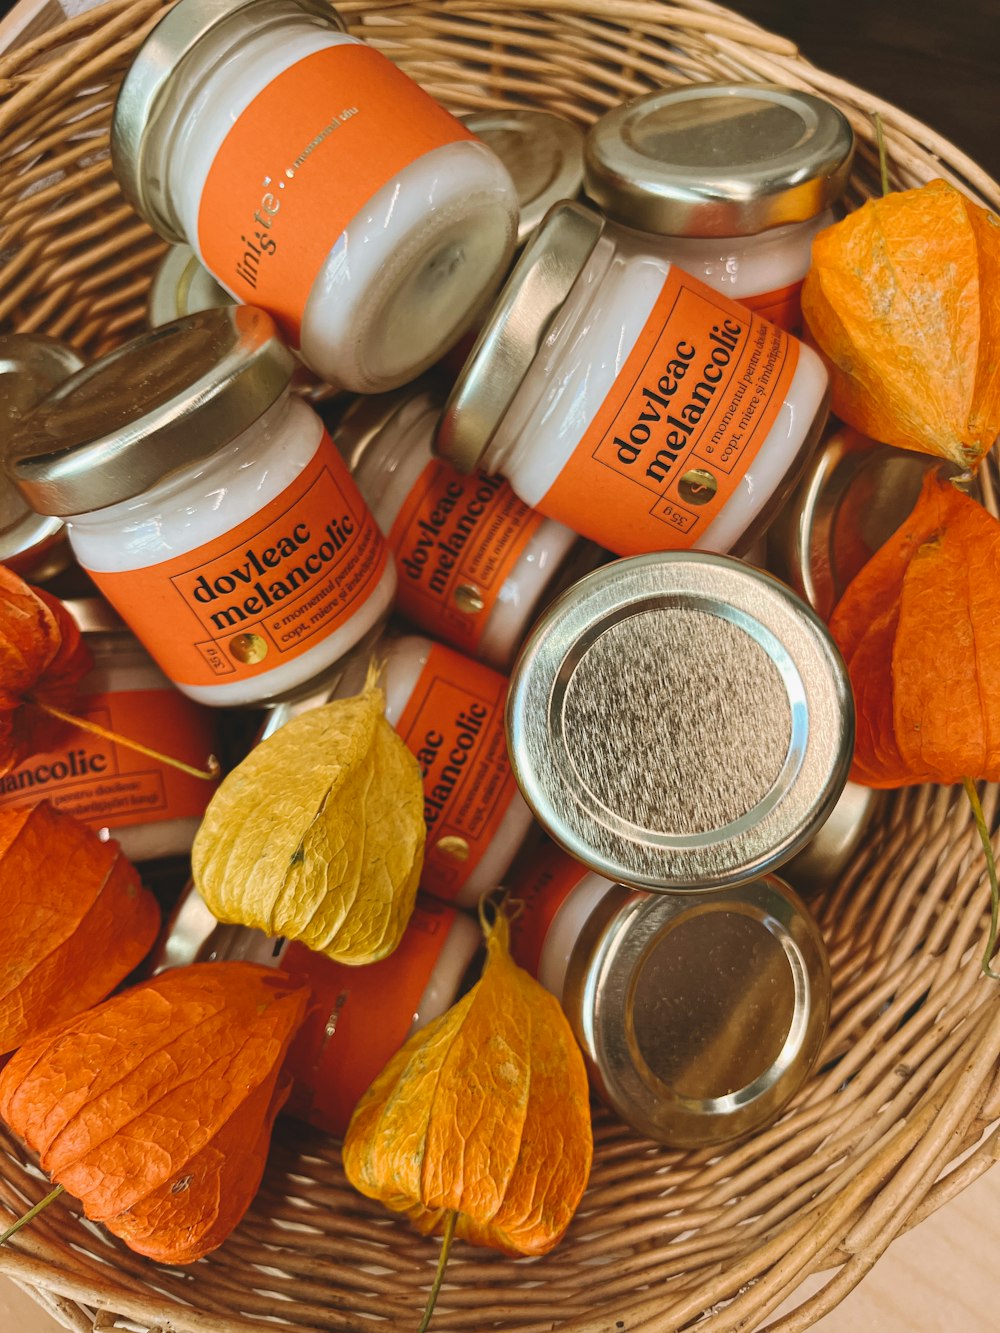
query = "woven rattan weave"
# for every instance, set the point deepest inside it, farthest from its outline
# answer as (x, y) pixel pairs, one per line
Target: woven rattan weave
(898, 1118)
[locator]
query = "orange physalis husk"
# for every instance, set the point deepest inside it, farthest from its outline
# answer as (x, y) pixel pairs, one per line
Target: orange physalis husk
(155, 1109)
(484, 1114)
(919, 631)
(43, 658)
(903, 299)
(77, 920)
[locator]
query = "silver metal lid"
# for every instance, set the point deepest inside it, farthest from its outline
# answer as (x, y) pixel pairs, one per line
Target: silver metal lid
(828, 853)
(366, 416)
(543, 154)
(680, 721)
(851, 499)
(169, 397)
(699, 1019)
(147, 80)
(510, 340)
(31, 365)
(718, 159)
(182, 286)
(93, 615)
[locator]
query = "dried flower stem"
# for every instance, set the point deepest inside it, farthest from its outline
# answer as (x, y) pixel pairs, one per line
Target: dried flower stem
(446, 1239)
(883, 156)
(31, 1214)
(991, 866)
(209, 774)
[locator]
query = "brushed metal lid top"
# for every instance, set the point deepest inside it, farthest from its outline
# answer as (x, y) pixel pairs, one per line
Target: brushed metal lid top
(680, 721)
(543, 154)
(718, 159)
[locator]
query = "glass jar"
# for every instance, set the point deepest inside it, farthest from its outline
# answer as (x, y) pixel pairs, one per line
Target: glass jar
(210, 507)
(316, 180)
(360, 1015)
(624, 398)
(31, 365)
(449, 710)
(543, 153)
(181, 286)
(473, 562)
(729, 180)
(699, 1018)
(150, 807)
(680, 721)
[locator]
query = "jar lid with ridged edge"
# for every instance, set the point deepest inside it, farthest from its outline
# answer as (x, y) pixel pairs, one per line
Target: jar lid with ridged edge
(699, 1018)
(169, 397)
(680, 721)
(181, 286)
(718, 159)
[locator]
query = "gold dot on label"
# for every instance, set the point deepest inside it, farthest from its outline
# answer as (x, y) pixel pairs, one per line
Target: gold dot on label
(248, 648)
(468, 599)
(697, 486)
(455, 848)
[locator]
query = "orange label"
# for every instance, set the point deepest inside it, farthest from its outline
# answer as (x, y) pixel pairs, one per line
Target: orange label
(304, 157)
(456, 540)
(265, 592)
(682, 424)
(453, 724)
(108, 786)
(783, 306)
(543, 891)
(359, 1018)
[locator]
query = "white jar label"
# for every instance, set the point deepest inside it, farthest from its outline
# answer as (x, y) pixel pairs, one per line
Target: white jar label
(265, 592)
(456, 541)
(110, 786)
(681, 425)
(305, 156)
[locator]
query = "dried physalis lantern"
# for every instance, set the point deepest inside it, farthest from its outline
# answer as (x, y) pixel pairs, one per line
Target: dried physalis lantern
(155, 1109)
(919, 631)
(76, 920)
(903, 299)
(480, 1125)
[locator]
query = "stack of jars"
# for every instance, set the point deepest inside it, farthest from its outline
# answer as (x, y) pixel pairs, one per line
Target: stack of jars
(679, 722)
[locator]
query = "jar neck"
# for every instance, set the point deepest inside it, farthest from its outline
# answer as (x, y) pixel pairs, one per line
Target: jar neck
(570, 322)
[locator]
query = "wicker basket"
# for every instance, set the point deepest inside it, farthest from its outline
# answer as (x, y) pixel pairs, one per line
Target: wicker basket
(898, 1117)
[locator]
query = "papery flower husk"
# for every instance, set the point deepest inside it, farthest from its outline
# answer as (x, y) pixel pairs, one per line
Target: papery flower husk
(903, 300)
(486, 1113)
(77, 920)
(919, 632)
(155, 1108)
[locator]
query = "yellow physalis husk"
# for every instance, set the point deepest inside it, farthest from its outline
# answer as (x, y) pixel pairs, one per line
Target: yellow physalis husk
(484, 1113)
(318, 835)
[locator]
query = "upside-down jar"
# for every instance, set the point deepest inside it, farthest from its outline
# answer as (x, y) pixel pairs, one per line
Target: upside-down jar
(631, 402)
(211, 508)
(316, 180)
(729, 180)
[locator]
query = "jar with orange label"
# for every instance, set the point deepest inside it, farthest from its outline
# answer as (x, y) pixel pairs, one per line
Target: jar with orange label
(210, 507)
(151, 808)
(314, 179)
(699, 1015)
(360, 1016)
(730, 180)
(473, 563)
(628, 400)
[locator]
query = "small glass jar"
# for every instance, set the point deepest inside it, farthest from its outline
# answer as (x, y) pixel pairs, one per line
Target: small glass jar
(449, 710)
(730, 180)
(680, 721)
(543, 153)
(360, 1016)
(210, 507)
(624, 398)
(316, 180)
(151, 808)
(182, 286)
(31, 365)
(699, 1018)
(473, 563)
